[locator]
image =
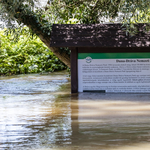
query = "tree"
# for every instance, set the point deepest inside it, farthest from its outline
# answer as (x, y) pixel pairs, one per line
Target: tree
(23, 11)
(40, 20)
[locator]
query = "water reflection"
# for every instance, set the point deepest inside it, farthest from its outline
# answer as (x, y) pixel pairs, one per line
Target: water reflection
(44, 117)
(110, 121)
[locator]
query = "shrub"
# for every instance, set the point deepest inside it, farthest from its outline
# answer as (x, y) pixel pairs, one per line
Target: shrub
(26, 55)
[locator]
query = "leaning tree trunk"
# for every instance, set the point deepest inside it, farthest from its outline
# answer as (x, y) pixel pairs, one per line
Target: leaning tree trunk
(31, 19)
(64, 57)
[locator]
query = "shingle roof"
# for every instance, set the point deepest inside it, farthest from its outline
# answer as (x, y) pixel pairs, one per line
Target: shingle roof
(99, 35)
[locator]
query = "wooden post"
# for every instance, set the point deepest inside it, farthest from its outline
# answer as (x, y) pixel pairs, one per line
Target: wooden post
(74, 70)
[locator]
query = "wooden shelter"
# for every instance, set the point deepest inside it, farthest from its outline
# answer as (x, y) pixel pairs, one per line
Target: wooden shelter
(99, 38)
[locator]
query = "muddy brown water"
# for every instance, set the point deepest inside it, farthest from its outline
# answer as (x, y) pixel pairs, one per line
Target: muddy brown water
(38, 112)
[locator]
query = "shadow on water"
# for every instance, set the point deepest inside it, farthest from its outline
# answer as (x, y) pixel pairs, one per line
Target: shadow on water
(37, 112)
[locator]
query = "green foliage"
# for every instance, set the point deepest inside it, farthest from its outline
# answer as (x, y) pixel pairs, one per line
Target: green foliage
(24, 12)
(27, 55)
(74, 11)
(84, 11)
(40, 20)
(128, 12)
(10, 7)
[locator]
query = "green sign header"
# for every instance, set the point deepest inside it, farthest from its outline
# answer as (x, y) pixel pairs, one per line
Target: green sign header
(114, 55)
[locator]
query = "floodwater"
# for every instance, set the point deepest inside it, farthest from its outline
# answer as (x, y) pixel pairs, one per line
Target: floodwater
(37, 112)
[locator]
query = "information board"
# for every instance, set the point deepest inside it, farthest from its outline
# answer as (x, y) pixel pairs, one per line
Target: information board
(114, 72)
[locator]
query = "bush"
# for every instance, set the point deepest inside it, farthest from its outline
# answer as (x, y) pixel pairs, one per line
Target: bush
(27, 55)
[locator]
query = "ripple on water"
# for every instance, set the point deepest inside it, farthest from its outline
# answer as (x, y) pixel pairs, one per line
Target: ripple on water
(38, 112)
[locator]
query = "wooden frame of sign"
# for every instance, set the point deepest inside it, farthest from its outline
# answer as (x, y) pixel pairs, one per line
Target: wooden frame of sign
(100, 38)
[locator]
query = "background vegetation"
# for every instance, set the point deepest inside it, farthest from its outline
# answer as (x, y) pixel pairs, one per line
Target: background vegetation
(17, 13)
(26, 55)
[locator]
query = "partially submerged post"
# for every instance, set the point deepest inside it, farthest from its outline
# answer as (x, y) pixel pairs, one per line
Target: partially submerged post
(104, 58)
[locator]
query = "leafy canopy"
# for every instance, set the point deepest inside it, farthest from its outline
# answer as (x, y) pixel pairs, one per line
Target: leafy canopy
(128, 12)
(77, 11)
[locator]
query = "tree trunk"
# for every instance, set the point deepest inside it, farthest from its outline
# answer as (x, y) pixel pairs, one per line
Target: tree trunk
(64, 57)
(31, 19)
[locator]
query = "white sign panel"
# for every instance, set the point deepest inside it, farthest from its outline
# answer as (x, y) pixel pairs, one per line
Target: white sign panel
(114, 72)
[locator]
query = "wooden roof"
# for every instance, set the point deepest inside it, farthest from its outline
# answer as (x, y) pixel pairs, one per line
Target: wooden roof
(99, 35)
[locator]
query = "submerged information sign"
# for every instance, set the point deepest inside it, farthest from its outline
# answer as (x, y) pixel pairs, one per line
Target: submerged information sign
(114, 72)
